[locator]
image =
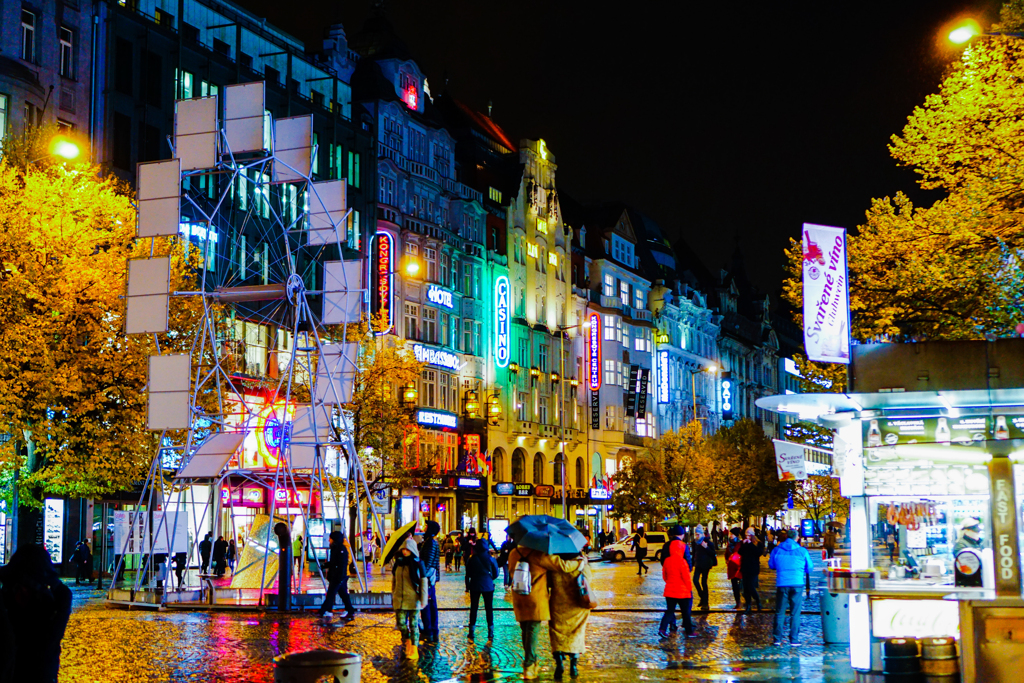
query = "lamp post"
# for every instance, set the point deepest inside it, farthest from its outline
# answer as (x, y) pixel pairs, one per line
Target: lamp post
(60, 146)
(561, 406)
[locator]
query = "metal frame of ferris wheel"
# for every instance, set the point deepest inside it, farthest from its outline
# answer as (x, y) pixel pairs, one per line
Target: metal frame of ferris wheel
(305, 359)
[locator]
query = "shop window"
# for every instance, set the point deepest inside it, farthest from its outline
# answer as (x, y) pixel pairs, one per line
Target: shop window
(538, 468)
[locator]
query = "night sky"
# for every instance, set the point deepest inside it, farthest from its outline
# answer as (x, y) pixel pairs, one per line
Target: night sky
(732, 121)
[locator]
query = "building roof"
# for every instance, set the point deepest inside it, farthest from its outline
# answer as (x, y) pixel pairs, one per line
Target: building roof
(377, 39)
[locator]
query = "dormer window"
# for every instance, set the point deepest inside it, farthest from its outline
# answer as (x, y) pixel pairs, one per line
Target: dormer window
(583, 238)
(410, 87)
(622, 251)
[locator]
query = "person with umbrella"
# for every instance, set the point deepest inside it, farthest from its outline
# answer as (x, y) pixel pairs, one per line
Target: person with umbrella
(569, 616)
(539, 540)
(430, 552)
(337, 576)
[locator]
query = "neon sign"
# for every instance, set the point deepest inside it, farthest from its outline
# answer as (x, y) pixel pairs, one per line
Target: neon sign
(273, 432)
(501, 326)
(662, 376)
(440, 296)
(726, 397)
(385, 281)
(433, 418)
(443, 359)
(594, 352)
(411, 96)
(532, 250)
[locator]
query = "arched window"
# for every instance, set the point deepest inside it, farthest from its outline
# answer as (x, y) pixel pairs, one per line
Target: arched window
(559, 458)
(518, 466)
(498, 465)
(538, 469)
(581, 475)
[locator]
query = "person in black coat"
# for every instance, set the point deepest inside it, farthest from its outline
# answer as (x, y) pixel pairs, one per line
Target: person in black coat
(705, 556)
(82, 558)
(751, 550)
(469, 542)
(205, 546)
(337, 576)
(430, 555)
(482, 570)
(38, 608)
(220, 555)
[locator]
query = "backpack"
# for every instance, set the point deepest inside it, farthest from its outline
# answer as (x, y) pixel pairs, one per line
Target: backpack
(522, 580)
(641, 542)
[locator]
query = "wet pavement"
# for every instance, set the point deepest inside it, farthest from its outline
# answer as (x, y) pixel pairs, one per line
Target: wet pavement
(113, 645)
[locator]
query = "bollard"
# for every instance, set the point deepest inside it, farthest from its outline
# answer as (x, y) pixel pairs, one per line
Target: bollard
(284, 567)
(317, 666)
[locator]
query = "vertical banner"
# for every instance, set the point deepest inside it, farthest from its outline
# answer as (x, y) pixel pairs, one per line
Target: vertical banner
(595, 409)
(634, 371)
(1004, 527)
(53, 529)
(790, 461)
(641, 395)
(826, 294)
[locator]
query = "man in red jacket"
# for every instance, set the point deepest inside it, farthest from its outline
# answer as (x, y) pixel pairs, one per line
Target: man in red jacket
(678, 590)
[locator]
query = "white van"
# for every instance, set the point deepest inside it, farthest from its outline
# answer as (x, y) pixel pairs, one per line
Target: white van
(624, 549)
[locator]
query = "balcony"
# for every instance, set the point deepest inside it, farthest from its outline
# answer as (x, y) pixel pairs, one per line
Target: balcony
(641, 314)
(611, 302)
(634, 439)
(520, 427)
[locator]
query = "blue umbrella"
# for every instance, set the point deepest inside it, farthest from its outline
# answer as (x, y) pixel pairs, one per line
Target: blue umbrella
(547, 534)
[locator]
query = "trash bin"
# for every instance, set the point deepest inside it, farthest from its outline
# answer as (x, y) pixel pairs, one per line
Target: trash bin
(316, 666)
(835, 617)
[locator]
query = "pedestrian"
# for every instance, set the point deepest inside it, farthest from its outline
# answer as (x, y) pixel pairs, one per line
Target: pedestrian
(750, 551)
(338, 558)
(890, 543)
(232, 554)
(469, 542)
(678, 591)
(448, 548)
(482, 570)
(640, 547)
(829, 543)
(732, 564)
(430, 553)
(503, 552)
(297, 553)
(220, 551)
(677, 535)
(205, 546)
(568, 626)
(705, 556)
(408, 576)
(533, 606)
(792, 565)
(459, 544)
(82, 558)
(38, 608)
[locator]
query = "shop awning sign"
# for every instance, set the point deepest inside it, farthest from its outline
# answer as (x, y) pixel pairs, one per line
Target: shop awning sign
(790, 461)
(826, 294)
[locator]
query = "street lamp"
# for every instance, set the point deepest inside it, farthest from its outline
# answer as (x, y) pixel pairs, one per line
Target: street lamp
(60, 146)
(964, 31)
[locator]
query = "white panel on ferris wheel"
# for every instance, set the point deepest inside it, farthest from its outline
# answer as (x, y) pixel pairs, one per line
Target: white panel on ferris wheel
(311, 426)
(169, 379)
(244, 107)
(335, 374)
(195, 133)
(343, 293)
(148, 298)
(211, 457)
(327, 206)
(293, 148)
(159, 196)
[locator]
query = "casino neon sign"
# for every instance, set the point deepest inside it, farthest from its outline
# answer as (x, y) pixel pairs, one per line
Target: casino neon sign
(594, 351)
(501, 321)
(385, 256)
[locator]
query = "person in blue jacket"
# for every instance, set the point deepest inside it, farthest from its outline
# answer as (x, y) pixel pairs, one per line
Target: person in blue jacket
(792, 563)
(481, 570)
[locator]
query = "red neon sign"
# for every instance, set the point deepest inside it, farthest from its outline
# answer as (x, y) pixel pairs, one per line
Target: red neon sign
(411, 96)
(385, 258)
(594, 351)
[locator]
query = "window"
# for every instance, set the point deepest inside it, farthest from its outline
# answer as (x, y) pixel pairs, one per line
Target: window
(445, 381)
(541, 305)
(3, 118)
(494, 195)
(428, 388)
(612, 331)
(183, 84)
(477, 347)
(430, 255)
(518, 467)
(521, 406)
(639, 299)
(335, 154)
(33, 115)
(444, 338)
(352, 231)
(454, 341)
(354, 171)
(581, 475)
(542, 410)
(543, 358)
(28, 36)
(444, 269)
(524, 359)
(67, 53)
(467, 336)
(412, 316)
(624, 292)
(625, 334)
(124, 74)
(538, 469)
(611, 373)
(610, 417)
(556, 474)
(608, 285)
(467, 279)
(520, 302)
(498, 465)
(622, 251)
(429, 324)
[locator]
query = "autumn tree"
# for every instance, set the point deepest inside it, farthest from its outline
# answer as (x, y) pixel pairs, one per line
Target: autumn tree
(820, 496)
(694, 487)
(641, 491)
(744, 459)
(72, 384)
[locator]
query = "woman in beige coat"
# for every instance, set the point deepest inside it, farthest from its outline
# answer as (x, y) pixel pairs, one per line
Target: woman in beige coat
(407, 595)
(568, 625)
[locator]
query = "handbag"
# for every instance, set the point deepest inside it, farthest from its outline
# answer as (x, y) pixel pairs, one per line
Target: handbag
(587, 599)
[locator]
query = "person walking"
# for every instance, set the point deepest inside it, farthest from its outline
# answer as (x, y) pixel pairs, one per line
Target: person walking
(675, 570)
(469, 542)
(503, 553)
(430, 553)
(82, 557)
(750, 551)
(338, 558)
(705, 556)
(792, 565)
(568, 626)
(449, 553)
(38, 607)
(180, 565)
(732, 564)
(459, 545)
(231, 555)
(482, 570)
(297, 553)
(220, 551)
(640, 547)
(407, 594)
(205, 546)
(829, 543)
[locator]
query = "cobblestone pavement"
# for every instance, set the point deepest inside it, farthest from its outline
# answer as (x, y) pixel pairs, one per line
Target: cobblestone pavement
(114, 645)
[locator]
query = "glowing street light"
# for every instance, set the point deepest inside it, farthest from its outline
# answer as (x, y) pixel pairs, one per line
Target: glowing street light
(964, 32)
(62, 147)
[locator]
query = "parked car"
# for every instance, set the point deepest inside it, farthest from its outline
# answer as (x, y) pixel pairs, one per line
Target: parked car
(624, 549)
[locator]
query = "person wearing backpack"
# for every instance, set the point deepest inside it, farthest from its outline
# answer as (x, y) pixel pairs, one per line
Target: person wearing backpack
(640, 546)
(482, 570)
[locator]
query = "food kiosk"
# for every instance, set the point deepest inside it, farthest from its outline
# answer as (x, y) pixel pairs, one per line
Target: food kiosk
(929, 447)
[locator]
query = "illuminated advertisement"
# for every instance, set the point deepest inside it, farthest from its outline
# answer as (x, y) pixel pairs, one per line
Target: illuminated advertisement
(440, 296)
(594, 352)
(662, 376)
(727, 396)
(501, 321)
(438, 357)
(826, 294)
(434, 418)
(267, 431)
(384, 290)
